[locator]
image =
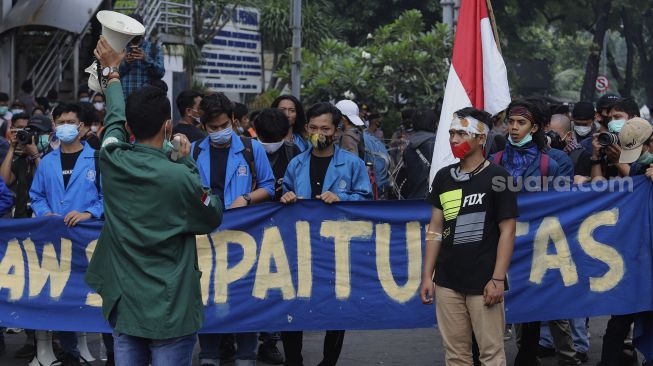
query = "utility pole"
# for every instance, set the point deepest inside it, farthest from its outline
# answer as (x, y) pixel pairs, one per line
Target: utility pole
(296, 25)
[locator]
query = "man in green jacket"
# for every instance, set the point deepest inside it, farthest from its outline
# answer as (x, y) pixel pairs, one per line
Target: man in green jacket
(145, 263)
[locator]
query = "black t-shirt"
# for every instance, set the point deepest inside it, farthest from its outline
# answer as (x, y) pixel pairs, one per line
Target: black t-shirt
(68, 165)
(470, 231)
(23, 168)
(192, 133)
(219, 158)
(279, 161)
(582, 164)
(319, 167)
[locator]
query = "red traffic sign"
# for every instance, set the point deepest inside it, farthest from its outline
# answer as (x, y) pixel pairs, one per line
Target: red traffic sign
(602, 84)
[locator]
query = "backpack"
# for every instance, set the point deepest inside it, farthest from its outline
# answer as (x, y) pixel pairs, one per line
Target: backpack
(544, 162)
(248, 153)
(377, 154)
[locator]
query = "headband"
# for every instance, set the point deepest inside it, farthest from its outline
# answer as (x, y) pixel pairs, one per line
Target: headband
(522, 112)
(470, 125)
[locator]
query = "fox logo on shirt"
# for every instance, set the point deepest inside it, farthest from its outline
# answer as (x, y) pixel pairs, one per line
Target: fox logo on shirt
(473, 199)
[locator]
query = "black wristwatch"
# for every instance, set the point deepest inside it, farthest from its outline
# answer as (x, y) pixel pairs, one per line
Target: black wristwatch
(247, 198)
(595, 162)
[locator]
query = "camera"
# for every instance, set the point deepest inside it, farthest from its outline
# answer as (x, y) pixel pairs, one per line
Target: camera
(24, 136)
(608, 138)
(553, 139)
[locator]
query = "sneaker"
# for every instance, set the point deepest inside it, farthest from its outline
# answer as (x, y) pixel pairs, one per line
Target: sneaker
(507, 335)
(26, 351)
(544, 352)
(269, 353)
(582, 357)
(69, 360)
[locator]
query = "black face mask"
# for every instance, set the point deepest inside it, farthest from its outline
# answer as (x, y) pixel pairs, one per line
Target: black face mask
(555, 141)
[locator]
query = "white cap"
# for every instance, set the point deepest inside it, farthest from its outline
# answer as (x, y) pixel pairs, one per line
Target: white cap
(349, 109)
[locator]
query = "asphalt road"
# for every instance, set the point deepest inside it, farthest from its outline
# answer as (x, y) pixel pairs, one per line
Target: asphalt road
(389, 347)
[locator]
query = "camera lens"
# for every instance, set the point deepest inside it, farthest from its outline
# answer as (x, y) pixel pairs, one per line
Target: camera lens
(608, 138)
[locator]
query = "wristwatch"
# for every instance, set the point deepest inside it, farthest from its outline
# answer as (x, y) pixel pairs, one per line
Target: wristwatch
(107, 71)
(247, 198)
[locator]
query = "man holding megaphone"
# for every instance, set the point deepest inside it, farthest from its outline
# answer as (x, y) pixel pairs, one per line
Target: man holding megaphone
(145, 263)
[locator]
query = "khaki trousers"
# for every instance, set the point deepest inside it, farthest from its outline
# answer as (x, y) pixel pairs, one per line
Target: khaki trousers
(458, 315)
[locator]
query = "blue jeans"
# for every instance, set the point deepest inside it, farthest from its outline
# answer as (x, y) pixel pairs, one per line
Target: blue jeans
(136, 351)
(579, 335)
(246, 345)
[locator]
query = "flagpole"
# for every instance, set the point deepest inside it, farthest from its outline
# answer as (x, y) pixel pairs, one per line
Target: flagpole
(494, 23)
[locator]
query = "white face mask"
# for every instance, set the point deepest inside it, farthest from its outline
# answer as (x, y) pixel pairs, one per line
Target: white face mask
(272, 147)
(99, 106)
(583, 130)
(94, 129)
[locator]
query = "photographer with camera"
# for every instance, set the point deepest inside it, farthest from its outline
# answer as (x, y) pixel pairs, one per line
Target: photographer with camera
(29, 140)
(605, 145)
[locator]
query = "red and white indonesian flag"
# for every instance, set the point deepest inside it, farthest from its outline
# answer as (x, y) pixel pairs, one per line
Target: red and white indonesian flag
(477, 76)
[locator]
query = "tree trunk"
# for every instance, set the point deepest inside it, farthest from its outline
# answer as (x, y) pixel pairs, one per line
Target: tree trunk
(630, 54)
(602, 11)
(646, 59)
(275, 65)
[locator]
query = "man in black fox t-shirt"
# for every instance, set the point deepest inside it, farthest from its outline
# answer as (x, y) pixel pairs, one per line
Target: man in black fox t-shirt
(469, 244)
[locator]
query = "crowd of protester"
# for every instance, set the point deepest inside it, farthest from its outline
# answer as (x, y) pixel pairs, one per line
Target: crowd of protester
(333, 152)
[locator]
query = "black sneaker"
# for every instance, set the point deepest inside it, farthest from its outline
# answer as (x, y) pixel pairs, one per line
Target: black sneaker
(110, 361)
(544, 352)
(26, 351)
(269, 353)
(582, 357)
(69, 360)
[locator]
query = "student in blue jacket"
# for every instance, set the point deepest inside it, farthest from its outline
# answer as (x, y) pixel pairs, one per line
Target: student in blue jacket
(238, 171)
(526, 157)
(64, 185)
(328, 173)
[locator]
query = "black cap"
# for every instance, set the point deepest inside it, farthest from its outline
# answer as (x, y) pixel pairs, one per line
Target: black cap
(42, 123)
(606, 102)
(583, 111)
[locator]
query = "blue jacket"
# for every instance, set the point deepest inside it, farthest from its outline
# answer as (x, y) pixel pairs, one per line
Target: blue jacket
(48, 193)
(301, 143)
(6, 198)
(346, 176)
(238, 177)
(565, 164)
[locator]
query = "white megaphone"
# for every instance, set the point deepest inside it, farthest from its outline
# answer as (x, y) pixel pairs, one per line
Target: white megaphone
(118, 29)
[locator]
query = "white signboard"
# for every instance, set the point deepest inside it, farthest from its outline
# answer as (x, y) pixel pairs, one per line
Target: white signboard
(232, 61)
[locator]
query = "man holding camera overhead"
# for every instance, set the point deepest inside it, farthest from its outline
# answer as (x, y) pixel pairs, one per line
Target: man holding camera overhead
(30, 139)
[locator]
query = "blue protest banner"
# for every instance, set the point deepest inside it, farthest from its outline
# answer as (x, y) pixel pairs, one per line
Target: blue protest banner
(352, 265)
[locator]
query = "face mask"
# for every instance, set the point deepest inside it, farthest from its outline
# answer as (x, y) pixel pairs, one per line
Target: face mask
(67, 133)
(94, 129)
(460, 151)
(528, 138)
(167, 145)
(43, 142)
(84, 99)
(4, 110)
(582, 130)
(555, 141)
(221, 137)
(241, 130)
(616, 125)
(99, 106)
(272, 147)
(646, 158)
(17, 111)
(320, 141)
(597, 125)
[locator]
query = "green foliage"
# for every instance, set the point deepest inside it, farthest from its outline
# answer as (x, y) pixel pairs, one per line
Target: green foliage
(401, 64)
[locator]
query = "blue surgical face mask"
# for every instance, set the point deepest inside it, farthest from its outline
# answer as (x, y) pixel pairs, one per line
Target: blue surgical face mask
(3, 110)
(221, 137)
(616, 125)
(43, 142)
(84, 99)
(67, 133)
(646, 158)
(528, 138)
